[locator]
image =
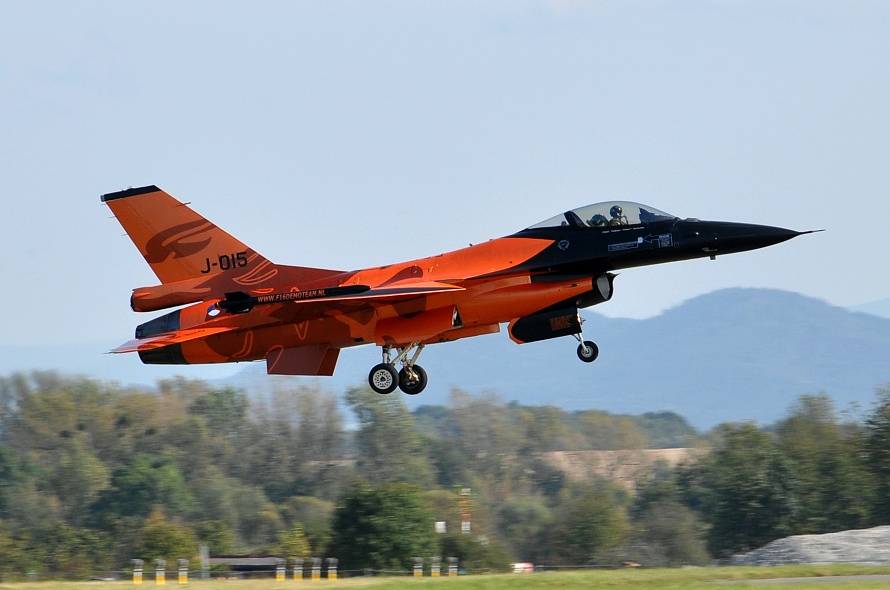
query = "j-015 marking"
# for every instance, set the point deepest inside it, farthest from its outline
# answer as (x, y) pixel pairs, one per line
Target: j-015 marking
(226, 262)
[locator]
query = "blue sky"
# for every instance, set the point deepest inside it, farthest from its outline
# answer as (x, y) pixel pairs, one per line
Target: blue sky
(345, 135)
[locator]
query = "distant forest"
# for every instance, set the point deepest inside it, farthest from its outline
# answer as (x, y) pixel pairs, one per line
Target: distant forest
(93, 475)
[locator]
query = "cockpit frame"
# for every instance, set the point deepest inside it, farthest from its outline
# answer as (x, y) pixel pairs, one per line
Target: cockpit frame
(606, 214)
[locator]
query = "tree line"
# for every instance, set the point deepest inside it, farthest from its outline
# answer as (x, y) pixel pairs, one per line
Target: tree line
(93, 474)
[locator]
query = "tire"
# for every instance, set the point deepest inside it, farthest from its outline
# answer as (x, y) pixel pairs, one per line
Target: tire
(413, 386)
(588, 351)
(383, 378)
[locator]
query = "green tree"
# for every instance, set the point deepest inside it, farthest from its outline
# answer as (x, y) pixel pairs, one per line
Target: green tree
(475, 553)
(665, 430)
(220, 540)
(489, 435)
(258, 520)
(603, 431)
(389, 449)
(590, 521)
(148, 482)
(78, 478)
(225, 411)
(293, 543)
(13, 473)
(451, 467)
(295, 444)
(53, 412)
(266, 527)
(544, 428)
(162, 539)
(382, 528)
(14, 555)
(76, 551)
(877, 454)
(139, 425)
(314, 515)
(831, 483)
(744, 489)
(669, 534)
(521, 521)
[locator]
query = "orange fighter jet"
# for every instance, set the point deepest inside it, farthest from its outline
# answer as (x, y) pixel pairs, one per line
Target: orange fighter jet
(235, 305)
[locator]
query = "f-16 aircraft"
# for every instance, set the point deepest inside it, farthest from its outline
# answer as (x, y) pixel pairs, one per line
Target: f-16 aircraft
(236, 305)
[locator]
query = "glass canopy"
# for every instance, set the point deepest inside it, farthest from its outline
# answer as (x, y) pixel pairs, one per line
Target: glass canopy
(607, 214)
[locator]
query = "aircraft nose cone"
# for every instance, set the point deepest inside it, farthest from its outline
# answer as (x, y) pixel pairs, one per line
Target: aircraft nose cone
(738, 237)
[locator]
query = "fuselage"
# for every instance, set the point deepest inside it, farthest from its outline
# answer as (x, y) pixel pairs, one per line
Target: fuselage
(565, 266)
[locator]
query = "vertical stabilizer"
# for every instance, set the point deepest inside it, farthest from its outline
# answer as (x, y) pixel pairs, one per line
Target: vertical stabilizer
(176, 242)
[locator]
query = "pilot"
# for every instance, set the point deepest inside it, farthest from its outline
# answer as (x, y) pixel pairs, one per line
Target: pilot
(618, 217)
(598, 220)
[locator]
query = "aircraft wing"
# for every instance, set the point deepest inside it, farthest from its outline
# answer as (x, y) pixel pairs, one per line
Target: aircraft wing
(285, 307)
(360, 292)
(316, 302)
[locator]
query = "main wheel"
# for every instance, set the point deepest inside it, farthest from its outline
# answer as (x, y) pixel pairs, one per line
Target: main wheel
(383, 378)
(412, 384)
(588, 351)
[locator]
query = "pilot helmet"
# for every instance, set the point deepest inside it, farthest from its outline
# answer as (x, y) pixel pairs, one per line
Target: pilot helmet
(616, 212)
(598, 220)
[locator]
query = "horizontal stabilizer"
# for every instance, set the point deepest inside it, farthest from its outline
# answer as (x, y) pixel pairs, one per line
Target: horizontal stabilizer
(169, 338)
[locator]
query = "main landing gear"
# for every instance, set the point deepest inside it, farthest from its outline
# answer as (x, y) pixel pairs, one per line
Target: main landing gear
(411, 378)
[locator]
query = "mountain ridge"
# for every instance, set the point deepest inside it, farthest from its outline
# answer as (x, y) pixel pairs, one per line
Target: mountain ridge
(730, 355)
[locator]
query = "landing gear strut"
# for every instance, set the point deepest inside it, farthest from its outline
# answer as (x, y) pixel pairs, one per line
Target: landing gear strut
(411, 378)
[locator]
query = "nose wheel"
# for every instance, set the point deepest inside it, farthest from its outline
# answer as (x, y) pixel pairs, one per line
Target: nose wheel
(411, 378)
(587, 350)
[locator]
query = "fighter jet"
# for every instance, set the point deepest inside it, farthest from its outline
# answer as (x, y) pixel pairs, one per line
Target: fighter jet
(235, 305)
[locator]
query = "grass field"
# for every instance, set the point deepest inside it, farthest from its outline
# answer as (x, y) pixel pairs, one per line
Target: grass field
(649, 579)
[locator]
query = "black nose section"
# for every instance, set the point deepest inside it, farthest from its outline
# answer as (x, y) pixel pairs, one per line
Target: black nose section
(739, 237)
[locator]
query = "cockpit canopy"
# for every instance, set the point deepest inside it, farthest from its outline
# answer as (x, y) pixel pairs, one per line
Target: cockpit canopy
(611, 213)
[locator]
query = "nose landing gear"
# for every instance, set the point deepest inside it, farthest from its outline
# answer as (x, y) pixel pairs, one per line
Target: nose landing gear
(587, 350)
(411, 378)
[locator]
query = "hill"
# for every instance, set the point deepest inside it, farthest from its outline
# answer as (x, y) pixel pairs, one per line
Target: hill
(730, 355)
(879, 308)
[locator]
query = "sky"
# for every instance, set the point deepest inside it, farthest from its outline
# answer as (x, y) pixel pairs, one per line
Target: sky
(351, 134)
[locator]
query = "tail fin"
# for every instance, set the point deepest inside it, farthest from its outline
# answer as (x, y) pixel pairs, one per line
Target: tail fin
(176, 242)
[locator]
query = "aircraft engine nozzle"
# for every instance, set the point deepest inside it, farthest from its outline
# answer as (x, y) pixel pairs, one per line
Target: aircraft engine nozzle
(165, 355)
(160, 325)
